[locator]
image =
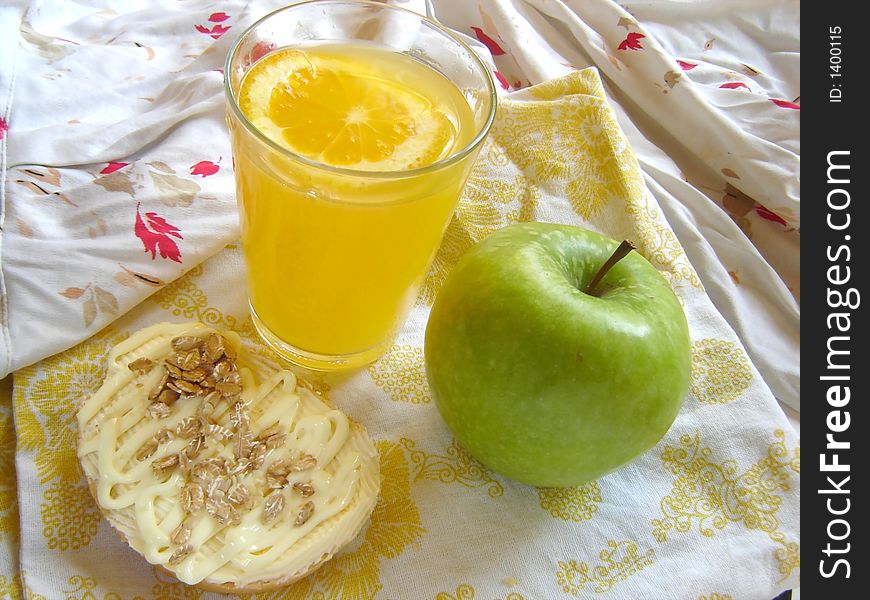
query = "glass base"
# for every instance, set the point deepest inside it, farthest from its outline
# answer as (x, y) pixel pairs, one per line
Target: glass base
(312, 360)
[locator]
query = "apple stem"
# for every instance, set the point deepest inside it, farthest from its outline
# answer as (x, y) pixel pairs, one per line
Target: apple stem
(624, 248)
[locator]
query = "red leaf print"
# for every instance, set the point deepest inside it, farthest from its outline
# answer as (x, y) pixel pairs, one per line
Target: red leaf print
(218, 17)
(632, 41)
(766, 213)
(154, 232)
(204, 168)
(502, 80)
(686, 66)
(4, 127)
(487, 41)
(216, 32)
(786, 104)
(112, 167)
(733, 85)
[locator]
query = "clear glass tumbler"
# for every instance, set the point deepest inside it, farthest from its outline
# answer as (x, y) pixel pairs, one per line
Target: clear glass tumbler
(338, 234)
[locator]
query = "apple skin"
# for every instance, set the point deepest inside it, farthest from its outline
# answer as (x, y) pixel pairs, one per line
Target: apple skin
(542, 382)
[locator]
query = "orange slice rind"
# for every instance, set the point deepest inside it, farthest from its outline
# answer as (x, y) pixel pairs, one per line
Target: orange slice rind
(339, 112)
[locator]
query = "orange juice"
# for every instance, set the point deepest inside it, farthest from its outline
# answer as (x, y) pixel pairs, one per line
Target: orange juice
(343, 208)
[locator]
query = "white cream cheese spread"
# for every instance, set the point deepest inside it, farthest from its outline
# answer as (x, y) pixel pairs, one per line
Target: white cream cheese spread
(215, 476)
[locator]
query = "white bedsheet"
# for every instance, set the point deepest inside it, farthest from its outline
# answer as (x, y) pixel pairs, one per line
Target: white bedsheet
(707, 92)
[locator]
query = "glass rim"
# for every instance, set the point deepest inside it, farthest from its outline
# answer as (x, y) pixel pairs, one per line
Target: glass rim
(393, 174)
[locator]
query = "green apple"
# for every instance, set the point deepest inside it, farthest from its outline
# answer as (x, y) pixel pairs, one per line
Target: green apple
(545, 378)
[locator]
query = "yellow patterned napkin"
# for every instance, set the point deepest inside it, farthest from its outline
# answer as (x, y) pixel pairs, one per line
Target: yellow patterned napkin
(711, 511)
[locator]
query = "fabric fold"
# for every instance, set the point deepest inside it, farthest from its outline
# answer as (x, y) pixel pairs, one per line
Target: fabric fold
(556, 153)
(710, 97)
(118, 211)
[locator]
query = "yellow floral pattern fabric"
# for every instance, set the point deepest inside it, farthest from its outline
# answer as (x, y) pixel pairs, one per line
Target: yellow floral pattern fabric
(616, 562)
(10, 536)
(571, 504)
(45, 403)
(456, 465)
(8, 488)
(466, 591)
(446, 527)
(401, 375)
(708, 496)
(720, 371)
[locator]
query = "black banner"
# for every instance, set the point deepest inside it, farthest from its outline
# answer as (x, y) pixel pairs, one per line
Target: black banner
(834, 365)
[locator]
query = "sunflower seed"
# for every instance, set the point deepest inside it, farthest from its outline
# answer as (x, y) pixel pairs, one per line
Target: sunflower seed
(243, 444)
(187, 387)
(209, 403)
(168, 396)
(147, 449)
(195, 375)
(227, 388)
(188, 427)
(187, 342)
(192, 497)
(159, 387)
(194, 446)
(219, 486)
(223, 369)
(214, 347)
(272, 437)
(257, 455)
(285, 466)
(275, 441)
(162, 465)
(158, 410)
(304, 488)
(181, 534)
(141, 366)
(173, 370)
(273, 507)
(205, 471)
(304, 462)
(218, 432)
(189, 360)
(276, 482)
(241, 468)
(304, 513)
(222, 511)
(239, 495)
(184, 465)
(276, 474)
(180, 554)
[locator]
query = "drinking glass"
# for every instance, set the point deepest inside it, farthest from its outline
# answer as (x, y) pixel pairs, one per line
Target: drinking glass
(335, 255)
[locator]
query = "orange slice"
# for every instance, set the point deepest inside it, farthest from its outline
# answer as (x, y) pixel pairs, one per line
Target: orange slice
(341, 112)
